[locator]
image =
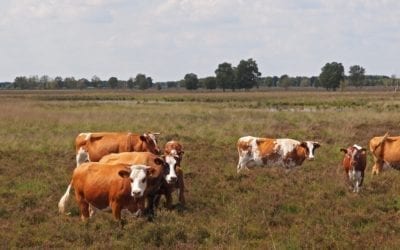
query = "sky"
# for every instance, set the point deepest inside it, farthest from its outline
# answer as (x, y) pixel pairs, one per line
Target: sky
(166, 39)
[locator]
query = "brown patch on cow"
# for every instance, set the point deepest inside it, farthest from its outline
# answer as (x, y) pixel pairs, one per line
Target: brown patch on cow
(269, 150)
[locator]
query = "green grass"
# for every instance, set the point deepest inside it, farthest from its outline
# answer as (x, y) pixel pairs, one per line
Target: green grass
(310, 207)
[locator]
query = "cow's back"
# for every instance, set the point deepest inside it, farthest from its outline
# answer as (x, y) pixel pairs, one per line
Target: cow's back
(96, 182)
(387, 149)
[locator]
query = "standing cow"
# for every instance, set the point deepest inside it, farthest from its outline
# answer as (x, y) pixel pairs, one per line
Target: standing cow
(385, 151)
(354, 164)
(288, 153)
(93, 146)
(166, 173)
(173, 149)
(105, 186)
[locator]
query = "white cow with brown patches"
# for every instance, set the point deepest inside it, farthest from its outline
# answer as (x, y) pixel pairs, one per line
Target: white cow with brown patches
(288, 153)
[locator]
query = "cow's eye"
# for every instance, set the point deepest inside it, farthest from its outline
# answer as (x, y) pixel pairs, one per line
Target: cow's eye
(143, 181)
(131, 180)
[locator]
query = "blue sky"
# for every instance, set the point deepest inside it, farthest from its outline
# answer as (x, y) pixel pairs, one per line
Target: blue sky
(165, 39)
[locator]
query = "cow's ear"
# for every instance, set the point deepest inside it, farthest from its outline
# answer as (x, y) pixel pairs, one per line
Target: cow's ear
(124, 173)
(363, 150)
(343, 150)
(143, 137)
(158, 161)
(317, 145)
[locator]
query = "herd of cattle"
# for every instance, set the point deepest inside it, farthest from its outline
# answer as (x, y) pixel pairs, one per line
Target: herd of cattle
(127, 171)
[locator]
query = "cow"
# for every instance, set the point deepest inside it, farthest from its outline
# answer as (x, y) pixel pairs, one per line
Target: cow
(93, 146)
(287, 153)
(385, 151)
(354, 164)
(105, 186)
(175, 149)
(167, 173)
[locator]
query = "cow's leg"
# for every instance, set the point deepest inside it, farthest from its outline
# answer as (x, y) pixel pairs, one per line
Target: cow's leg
(84, 207)
(181, 188)
(116, 210)
(376, 169)
(168, 198)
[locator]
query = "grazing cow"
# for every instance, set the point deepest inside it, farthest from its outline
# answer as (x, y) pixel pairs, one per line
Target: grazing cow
(175, 149)
(93, 146)
(105, 186)
(166, 170)
(386, 152)
(354, 164)
(288, 153)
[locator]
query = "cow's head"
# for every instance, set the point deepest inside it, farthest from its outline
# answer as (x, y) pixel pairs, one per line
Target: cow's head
(310, 147)
(150, 142)
(138, 178)
(356, 155)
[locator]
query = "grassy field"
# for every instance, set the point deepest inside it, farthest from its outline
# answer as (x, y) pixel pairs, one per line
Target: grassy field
(267, 208)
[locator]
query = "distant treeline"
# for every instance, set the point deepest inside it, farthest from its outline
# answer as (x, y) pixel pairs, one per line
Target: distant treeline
(244, 76)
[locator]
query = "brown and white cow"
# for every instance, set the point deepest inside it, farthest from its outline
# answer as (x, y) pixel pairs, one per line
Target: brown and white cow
(174, 149)
(288, 153)
(386, 152)
(166, 164)
(105, 186)
(93, 146)
(354, 164)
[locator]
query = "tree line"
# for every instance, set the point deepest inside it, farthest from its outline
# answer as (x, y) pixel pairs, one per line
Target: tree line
(244, 76)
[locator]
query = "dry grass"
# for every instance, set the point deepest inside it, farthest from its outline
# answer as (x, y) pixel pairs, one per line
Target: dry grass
(310, 207)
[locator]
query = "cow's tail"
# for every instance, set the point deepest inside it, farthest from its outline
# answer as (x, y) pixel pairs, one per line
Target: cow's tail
(381, 142)
(64, 199)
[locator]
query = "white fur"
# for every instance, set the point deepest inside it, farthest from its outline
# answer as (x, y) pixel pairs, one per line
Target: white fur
(251, 157)
(355, 178)
(139, 183)
(171, 161)
(82, 156)
(63, 200)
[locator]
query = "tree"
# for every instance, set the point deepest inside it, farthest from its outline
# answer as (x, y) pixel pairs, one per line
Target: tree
(331, 75)
(284, 82)
(210, 82)
(141, 82)
(356, 75)
(20, 82)
(82, 83)
(96, 81)
(113, 82)
(70, 82)
(191, 81)
(225, 76)
(247, 74)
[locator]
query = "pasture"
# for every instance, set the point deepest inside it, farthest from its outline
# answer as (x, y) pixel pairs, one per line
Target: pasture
(309, 207)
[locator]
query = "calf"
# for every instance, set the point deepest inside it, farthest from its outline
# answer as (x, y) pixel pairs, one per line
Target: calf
(165, 171)
(354, 164)
(288, 153)
(108, 186)
(174, 149)
(93, 146)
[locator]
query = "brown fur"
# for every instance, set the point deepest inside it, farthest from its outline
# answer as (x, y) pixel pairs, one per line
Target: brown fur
(101, 185)
(384, 149)
(101, 144)
(359, 163)
(146, 158)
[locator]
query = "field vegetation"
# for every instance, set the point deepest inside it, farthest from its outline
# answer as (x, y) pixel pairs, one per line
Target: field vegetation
(266, 208)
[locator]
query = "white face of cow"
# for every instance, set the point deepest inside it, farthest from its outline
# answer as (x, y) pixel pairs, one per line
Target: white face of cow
(171, 176)
(138, 178)
(311, 146)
